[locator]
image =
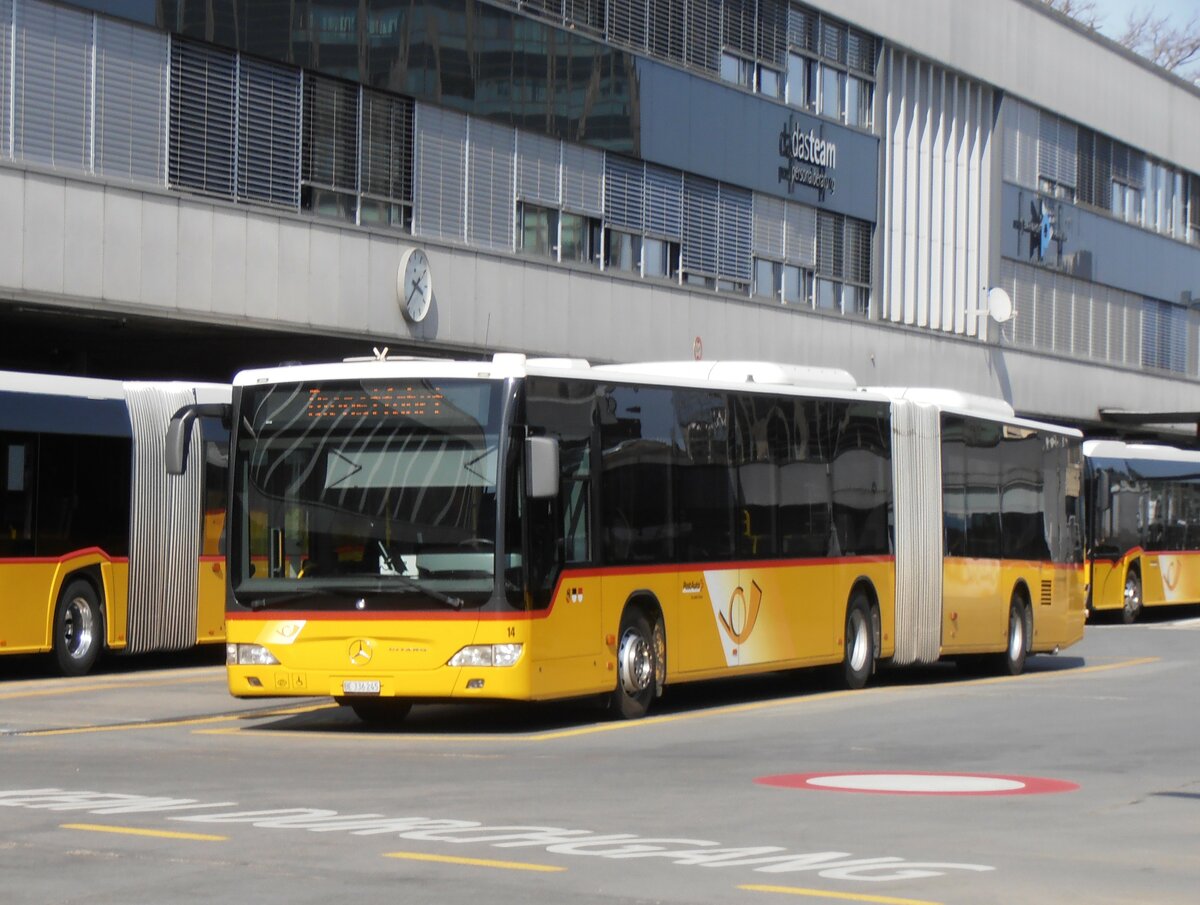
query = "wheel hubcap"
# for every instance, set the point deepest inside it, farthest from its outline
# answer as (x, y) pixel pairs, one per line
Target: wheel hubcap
(635, 662)
(857, 640)
(79, 626)
(1133, 598)
(1016, 636)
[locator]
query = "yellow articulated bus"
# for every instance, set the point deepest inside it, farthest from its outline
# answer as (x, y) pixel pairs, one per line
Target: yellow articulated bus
(413, 530)
(1144, 526)
(99, 549)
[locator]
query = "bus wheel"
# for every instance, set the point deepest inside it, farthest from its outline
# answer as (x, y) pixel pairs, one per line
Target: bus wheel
(1012, 661)
(858, 659)
(636, 667)
(78, 629)
(378, 711)
(1132, 610)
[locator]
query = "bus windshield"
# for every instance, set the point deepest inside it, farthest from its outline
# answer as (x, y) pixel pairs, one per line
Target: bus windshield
(367, 493)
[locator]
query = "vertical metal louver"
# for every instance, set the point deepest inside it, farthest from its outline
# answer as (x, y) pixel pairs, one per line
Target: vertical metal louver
(703, 44)
(165, 522)
(268, 147)
(735, 224)
(700, 225)
(770, 227)
(546, 9)
(330, 145)
(800, 240)
(131, 102)
(583, 179)
(1020, 143)
(802, 29)
(587, 14)
(666, 29)
(439, 177)
(833, 41)
(624, 192)
(1057, 144)
(6, 13)
(52, 85)
(202, 120)
(664, 201)
(860, 52)
(539, 169)
(831, 245)
(738, 26)
(386, 152)
(627, 22)
(490, 202)
(858, 250)
(1128, 165)
(772, 38)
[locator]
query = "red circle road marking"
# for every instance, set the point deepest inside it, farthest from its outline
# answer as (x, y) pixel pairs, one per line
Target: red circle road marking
(917, 783)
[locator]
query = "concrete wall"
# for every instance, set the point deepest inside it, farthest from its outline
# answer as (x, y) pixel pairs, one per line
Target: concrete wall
(98, 245)
(1022, 47)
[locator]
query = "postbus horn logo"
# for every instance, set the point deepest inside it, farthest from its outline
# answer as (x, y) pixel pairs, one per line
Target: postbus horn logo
(739, 622)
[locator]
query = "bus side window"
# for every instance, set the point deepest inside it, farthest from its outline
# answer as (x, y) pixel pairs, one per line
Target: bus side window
(16, 538)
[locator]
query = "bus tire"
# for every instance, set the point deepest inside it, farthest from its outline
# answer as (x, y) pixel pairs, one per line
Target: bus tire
(858, 654)
(78, 628)
(1012, 661)
(378, 711)
(637, 667)
(1131, 610)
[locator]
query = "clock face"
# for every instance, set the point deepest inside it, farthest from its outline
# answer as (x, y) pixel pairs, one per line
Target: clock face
(415, 287)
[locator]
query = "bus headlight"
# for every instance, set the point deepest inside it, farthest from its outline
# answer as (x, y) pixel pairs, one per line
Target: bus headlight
(487, 655)
(249, 655)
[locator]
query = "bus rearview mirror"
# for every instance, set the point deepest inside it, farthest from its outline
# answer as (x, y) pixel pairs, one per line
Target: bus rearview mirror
(541, 467)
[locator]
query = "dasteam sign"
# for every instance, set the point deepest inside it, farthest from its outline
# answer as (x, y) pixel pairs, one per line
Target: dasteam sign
(809, 158)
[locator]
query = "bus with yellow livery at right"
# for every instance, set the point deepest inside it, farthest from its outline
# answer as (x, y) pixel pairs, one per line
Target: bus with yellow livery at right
(1144, 526)
(404, 531)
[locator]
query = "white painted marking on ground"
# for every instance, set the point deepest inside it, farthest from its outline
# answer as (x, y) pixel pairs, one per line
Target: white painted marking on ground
(914, 782)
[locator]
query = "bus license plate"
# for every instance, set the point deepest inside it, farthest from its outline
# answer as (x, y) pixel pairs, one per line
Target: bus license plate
(361, 686)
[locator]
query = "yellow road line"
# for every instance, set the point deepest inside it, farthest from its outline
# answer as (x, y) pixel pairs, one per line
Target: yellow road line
(476, 862)
(846, 896)
(135, 831)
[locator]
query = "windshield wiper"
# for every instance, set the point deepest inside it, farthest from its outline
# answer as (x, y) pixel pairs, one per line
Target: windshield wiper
(352, 590)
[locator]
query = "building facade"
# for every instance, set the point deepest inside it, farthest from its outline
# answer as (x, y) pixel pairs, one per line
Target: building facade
(824, 183)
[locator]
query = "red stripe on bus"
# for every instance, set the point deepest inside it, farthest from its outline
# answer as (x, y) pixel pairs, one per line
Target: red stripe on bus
(74, 554)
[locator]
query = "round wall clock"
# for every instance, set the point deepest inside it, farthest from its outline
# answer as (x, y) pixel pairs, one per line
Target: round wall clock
(414, 284)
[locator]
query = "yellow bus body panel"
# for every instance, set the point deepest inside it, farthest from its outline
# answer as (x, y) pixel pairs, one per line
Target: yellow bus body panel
(30, 591)
(210, 604)
(718, 622)
(1168, 579)
(976, 597)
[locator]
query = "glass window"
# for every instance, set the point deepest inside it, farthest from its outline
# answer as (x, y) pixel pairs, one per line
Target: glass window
(622, 251)
(539, 229)
(797, 80)
(577, 237)
(660, 258)
(829, 295)
(796, 284)
(770, 82)
(766, 278)
(857, 300)
(833, 90)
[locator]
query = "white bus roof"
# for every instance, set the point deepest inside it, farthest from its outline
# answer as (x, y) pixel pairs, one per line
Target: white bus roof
(971, 404)
(731, 374)
(99, 388)
(1117, 449)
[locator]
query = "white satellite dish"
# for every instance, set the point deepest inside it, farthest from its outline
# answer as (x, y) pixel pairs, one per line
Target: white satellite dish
(999, 305)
